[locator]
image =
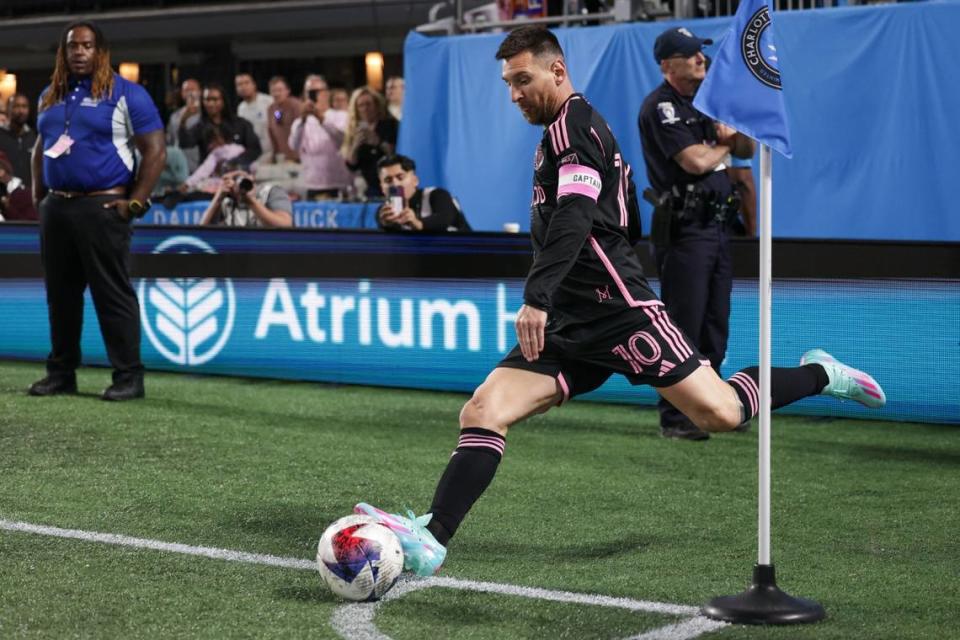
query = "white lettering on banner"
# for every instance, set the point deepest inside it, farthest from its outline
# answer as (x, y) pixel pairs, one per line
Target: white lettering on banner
(364, 319)
(505, 320)
(403, 337)
(313, 302)
(318, 218)
(340, 306)
(286, 316)
(278, 310)
(449, 313)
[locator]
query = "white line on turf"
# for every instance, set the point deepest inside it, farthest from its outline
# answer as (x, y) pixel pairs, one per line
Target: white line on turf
(355, 621)
(145, 543)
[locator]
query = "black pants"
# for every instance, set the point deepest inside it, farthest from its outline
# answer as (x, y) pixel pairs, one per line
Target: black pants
(696, 280)
(82, 244)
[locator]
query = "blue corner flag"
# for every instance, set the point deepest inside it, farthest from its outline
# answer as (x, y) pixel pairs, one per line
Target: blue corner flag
(742, 88)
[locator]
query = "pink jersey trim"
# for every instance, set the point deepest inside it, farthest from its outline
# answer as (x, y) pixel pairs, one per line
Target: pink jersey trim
(593, 132)
(618, 281)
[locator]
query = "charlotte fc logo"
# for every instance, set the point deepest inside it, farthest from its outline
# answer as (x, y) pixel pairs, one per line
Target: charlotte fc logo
(758, 50)
(188, 320)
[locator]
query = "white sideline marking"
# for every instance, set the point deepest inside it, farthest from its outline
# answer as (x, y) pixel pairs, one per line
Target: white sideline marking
(354, 621)
(145, 543)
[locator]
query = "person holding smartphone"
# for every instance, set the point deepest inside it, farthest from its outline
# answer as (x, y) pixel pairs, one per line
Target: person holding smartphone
(410, 208)
(316, 136)
(371, 134)
(284, 110)
(184, 118)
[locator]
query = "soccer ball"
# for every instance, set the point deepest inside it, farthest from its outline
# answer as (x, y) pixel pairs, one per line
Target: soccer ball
(359, 558)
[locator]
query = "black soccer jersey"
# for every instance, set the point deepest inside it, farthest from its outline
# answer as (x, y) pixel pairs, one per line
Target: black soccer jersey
(584, 215)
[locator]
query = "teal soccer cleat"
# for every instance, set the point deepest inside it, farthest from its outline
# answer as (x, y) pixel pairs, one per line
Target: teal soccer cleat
(846, 383)
(422, 554)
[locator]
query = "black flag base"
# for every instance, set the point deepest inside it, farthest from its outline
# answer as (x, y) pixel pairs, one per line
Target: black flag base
(763, 603)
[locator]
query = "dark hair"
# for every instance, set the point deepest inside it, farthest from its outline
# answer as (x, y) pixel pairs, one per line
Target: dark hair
(275, 79)
(102, 76)
(210, 133)
(407, 164)
(228, 114)
(536, 39)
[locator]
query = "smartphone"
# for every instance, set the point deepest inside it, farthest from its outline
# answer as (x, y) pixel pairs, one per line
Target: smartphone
(395, 197)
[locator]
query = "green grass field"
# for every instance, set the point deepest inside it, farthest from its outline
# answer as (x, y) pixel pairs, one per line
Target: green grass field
(589, 499)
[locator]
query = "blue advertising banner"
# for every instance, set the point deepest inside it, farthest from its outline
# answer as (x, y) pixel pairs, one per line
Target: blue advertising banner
(329, 214)
(447, 334)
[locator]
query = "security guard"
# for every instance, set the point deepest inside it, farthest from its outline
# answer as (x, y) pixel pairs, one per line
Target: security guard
(90, 123)
(694, 204)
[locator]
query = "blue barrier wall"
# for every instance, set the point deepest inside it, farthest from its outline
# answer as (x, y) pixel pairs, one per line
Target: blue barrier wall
(312, 215)
(869, 91)
(448, 333)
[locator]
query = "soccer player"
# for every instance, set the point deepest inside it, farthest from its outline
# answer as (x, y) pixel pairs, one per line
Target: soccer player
(588, 311)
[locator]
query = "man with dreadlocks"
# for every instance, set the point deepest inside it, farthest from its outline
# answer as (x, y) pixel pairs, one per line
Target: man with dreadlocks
(90, 123)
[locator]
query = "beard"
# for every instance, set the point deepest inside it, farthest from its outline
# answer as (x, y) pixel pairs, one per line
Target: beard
(533, 115)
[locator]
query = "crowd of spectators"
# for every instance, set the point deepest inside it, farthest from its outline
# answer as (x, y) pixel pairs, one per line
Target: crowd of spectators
(253, 159)
(321, 144)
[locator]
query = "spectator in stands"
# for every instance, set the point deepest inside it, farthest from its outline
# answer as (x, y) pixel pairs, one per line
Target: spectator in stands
(283, 112)
(220, 155)
(316, 136)
(17, 140)
(186, 117)
(219, 125)
(371, 135)
(240, 202)
(395, 88)
(254, 107)
(173, 177)
(4, 120)
(429, 209)
(16, 203)
(340, 99)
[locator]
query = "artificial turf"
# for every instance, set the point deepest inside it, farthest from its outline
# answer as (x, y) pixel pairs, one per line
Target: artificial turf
(588, 499)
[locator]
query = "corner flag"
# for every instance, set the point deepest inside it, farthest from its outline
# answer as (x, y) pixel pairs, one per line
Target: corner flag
(742, 88)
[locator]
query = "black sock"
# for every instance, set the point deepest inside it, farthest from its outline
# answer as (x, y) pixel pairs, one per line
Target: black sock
(468, 474)
(787, 385)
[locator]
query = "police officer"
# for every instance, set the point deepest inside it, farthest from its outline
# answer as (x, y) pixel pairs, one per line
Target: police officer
(685, 153)
(90, 123)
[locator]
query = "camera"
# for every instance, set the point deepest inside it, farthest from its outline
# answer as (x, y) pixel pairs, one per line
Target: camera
(246, 185)
(312, 94)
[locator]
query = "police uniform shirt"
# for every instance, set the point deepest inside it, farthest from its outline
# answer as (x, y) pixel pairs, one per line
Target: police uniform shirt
(583, 210)
(669, 123)
(102, 153)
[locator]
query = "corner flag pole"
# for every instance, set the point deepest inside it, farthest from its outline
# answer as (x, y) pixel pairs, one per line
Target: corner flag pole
(764, 602)
(766, 295)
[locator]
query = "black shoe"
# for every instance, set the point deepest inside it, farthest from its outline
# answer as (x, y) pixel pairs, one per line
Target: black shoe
(684, 432)
(53, 386)
(743, 426)
(124, 390)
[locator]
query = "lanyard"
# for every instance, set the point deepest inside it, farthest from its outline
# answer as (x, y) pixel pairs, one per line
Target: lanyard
(68, 112)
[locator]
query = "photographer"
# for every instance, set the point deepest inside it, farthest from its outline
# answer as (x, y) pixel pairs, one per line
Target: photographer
(239, 202)
(15, 200)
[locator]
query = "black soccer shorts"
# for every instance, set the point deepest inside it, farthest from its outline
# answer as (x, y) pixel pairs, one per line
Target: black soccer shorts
(642, 343)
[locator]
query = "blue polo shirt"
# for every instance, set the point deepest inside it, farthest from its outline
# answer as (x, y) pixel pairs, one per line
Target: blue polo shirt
(102, 155)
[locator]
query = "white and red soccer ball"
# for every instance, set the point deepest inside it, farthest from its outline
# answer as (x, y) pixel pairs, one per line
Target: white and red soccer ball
(359, 558)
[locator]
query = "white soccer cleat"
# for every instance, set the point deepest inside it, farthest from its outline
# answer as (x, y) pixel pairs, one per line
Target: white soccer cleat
(846, 383)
